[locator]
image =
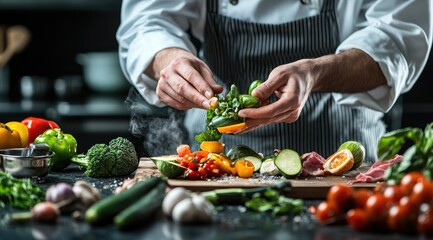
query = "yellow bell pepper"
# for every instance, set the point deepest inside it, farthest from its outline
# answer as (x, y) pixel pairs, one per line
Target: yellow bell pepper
(9, 138)
(223, 162)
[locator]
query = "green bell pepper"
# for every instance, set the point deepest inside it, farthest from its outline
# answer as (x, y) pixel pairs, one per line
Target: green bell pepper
(63, 145)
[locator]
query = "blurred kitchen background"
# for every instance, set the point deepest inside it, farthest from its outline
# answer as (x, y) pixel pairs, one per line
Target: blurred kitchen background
(73, 41)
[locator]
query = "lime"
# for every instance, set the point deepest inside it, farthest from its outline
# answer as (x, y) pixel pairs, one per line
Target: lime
(168, 166)
(357, 150)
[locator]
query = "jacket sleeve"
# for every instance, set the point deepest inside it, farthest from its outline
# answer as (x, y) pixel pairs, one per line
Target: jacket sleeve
(398, 35)
(146, 28)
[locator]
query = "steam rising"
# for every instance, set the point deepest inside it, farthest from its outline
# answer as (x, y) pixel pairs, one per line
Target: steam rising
(161, 130)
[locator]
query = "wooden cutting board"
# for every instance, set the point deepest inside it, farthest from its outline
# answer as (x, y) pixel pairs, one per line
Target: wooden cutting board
(302, 187)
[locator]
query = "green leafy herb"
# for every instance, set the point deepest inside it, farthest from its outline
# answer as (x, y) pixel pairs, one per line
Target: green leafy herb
(272, 201)
(19, 193)
(417, 157)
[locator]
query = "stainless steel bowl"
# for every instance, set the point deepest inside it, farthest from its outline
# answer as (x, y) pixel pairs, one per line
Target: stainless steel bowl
(17, 162)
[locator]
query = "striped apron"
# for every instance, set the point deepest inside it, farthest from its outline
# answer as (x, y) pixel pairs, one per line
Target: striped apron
(240, 52)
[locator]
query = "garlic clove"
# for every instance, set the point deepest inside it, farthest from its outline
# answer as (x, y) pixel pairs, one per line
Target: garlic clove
(184, 211)
(173, 197)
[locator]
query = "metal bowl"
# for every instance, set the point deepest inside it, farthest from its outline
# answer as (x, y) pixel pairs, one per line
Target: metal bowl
(16, 162)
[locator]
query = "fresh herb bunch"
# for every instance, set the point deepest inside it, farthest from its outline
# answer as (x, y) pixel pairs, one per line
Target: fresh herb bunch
(224, 110)
(417, 157)
(272, 201)
(19, 193)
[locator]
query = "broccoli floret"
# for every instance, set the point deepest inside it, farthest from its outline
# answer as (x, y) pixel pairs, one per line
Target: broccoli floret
(118, 158)
(127, 159)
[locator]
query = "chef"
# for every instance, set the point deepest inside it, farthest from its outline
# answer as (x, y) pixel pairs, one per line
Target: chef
(331, 69)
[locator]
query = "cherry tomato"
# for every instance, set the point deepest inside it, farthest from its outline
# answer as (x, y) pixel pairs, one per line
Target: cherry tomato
(377, 208)
(201, 156)
(214, 170)
(361, 196)
(421, 192)
(341, 195)
(184, 164)
(401, 217)
(358, 219)
(192, 165)
(327, 211)
(202, 172)
(425, 220)
(183, 150)
(192, 174)
(409, 180)
(393, 193)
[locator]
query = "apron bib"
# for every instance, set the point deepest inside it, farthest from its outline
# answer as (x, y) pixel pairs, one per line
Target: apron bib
(240, 52)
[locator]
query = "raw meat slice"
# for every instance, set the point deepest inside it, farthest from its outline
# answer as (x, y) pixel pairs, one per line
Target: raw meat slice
(376, 171)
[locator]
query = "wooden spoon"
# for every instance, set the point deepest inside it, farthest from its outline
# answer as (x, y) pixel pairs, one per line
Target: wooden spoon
(17, 38)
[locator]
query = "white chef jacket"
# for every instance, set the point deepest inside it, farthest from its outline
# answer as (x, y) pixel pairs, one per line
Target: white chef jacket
(395, 33)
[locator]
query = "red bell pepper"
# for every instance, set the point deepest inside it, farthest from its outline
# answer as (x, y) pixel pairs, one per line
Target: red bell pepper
(37, 126)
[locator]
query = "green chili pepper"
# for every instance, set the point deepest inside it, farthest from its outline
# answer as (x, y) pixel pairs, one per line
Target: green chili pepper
(63, 145)
(233, 93)
(249, 101)
(254, 85)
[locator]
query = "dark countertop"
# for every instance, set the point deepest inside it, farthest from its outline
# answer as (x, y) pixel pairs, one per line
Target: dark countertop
(231, 222)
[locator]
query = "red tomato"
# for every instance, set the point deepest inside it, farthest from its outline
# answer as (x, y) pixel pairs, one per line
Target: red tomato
(183, 150)
(361, 196)
(193, 166)
(377, 207)
(393, 193)
(215, 170)
(327, 211)
(341, 195)
(202, 172)
(421, 192)
(401, 217)
(425, 220)
(201, 155)
(184, 164)
(409, 180)
(192, 174)
(357, 219)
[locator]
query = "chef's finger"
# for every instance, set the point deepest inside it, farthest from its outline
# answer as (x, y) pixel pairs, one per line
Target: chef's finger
(208, 77)
(268, 111)
(267, 88)
(195, 79)
(172, 99)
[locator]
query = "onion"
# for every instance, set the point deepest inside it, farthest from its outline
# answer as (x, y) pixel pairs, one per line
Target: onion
(46, 212)
(60, 192)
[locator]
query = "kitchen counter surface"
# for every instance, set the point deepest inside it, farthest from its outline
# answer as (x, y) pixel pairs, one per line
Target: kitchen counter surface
(231, 222)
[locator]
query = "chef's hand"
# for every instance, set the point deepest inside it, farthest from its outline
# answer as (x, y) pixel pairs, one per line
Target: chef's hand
(292, 84)
(184, 81)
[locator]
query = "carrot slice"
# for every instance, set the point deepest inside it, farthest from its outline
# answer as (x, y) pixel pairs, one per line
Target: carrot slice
(231, 128)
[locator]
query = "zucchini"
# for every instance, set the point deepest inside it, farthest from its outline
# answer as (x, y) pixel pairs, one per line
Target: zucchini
(288, 163)
(241, 151)
(221, 121)
(238, 196)
(105, 210)
(244, 152)
(142, 210)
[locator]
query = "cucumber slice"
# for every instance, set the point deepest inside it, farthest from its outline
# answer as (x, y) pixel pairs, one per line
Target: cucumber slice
(288, 163)
(257, 162)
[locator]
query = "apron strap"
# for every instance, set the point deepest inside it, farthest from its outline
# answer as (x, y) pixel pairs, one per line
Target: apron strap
(212, 6)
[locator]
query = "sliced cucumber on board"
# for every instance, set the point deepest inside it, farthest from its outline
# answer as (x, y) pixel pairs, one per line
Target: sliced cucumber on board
(288, 163)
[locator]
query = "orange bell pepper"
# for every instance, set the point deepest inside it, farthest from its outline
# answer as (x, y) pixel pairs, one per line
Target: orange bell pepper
(212, 146)
(232, 128)
(244, 168)
(9, 138)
